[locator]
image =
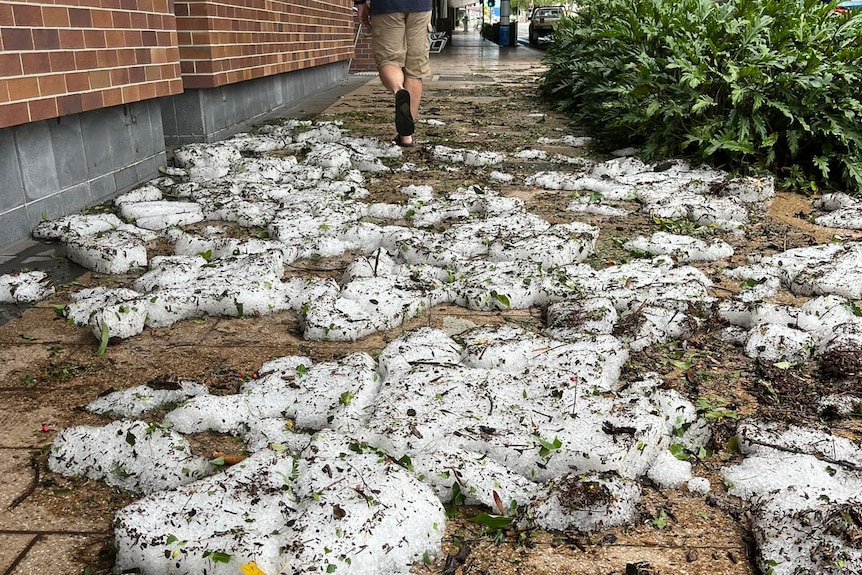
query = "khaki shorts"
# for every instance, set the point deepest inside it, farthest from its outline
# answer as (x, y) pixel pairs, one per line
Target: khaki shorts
(402, 39)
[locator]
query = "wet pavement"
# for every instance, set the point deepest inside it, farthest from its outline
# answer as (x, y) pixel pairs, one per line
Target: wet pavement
(526, 351)
(45, 538)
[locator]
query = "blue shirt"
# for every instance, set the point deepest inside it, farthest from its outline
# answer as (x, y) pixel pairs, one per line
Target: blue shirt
(388, 6)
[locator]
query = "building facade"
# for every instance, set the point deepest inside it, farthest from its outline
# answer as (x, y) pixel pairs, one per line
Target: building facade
(93, 92)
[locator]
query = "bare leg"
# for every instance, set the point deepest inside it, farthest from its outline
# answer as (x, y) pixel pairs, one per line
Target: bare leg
(393, 79)
(414, 86)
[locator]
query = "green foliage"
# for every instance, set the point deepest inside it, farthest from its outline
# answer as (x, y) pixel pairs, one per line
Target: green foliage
(744, 84)
(492, 522)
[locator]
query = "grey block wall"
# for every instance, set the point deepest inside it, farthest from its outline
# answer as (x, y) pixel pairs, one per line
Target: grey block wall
(212, 114)
(60, 166)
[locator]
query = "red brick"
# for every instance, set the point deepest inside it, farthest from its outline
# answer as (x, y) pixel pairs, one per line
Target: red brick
(17, 39)
(52, 85)
(148, 91)
(102, 18)
(71, 39)
(35, 62)
(86, 60)
(139, 20)
(112, 97)
(23, 88)
(46, 39)
(91, 101)
(94, 39)
(133, 38)
(61, 61)
(70, 104)
(115, 38)
(153, 73)
(148, 38)
(122, 20)
(55, 17)
(14, 114)
(126, 57)
(131, 94)
(107, 58)
(100, 78)
(110, 4)
(119, 76)
(78, 82)
(6, 17)
(10, 65)
(43, 109)
(80, 18)
(137, 75)
(28, 16)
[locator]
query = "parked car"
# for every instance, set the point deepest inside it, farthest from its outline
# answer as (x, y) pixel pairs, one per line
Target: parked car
(543, 20)
(849, 6)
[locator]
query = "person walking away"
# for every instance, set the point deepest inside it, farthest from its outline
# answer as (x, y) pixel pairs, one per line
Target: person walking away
(400, 40)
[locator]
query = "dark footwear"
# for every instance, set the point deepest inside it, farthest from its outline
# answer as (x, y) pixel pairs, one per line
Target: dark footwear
(399, 141)
(403, 118)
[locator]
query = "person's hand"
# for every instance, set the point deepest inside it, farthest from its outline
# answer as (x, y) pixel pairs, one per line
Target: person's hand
(363, 14)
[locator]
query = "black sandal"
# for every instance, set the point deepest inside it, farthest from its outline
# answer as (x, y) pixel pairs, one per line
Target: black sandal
(399, 141)
(403, 117)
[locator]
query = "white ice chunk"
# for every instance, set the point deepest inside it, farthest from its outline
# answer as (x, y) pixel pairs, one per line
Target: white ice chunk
(25, 287)
(76, 225)
(329, 509)
(668, 471)
(134, 401)
(586, 503)
(111, 252)
(684, 248)
(159, 215)
(134, 455)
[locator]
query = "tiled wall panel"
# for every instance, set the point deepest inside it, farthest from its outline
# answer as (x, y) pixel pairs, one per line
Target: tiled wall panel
(64, 57)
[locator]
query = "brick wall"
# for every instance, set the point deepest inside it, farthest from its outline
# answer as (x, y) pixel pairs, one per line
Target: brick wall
(60, 57)
(228, 41)
(363, 57)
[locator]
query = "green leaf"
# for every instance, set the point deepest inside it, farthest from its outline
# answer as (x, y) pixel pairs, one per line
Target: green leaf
(130, 438)
(783, 365)
(492, 521)
(171, 539)
(103, 343)
(217, 556)
(502, 298)
(683, 365)
(331, 568)
(548, 447)
(207, 255)
(218, 461)
(679, 451)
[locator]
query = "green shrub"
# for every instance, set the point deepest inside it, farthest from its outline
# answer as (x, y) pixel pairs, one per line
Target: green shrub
(740, 84)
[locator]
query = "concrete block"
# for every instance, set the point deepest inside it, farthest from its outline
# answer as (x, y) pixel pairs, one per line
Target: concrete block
(119, 119)
(36, 158)
(125, 178)
(49, 208)
(103, 188)
(77, 198)
(68, 147)
(14, 226)
(10, 173)
(97, 143)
